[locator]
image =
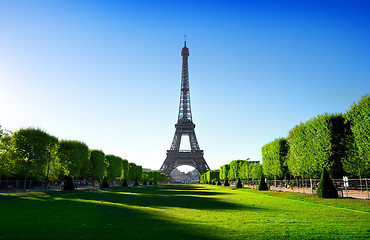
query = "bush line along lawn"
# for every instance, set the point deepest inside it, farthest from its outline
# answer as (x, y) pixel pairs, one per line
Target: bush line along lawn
(180, 212)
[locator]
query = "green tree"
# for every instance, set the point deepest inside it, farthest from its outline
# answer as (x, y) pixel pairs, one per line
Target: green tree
(236, 169)
(32, 152)
(132, 172)
(98, 166)
(319, 142)
(274, 156)
(296, 141)
(357, 162)
(7, 164)
(255, 170)
(224, 172)
(73, 155)
(212, 175)
(125, 169)
(114, 169)
(139, 173)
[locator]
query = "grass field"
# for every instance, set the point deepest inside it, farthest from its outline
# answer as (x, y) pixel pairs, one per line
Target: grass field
(180, 212)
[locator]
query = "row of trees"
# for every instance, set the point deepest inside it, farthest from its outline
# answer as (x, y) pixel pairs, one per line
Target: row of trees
(339, 143)
(34, 154)
(154, 176)
(209, 176)
(237, 169)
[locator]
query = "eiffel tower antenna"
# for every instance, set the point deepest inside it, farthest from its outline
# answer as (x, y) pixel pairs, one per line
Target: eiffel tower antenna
(184, 127)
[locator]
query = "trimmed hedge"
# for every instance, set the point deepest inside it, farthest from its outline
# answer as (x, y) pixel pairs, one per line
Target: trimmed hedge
(358, 117)
(326, 187)
(339, 143)
(316, 144)
(274, 156)
(239, 184)
(262, 186)
(226, 183)
(69, 186)
(105, 183)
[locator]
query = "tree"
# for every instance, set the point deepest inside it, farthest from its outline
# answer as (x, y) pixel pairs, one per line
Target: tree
(7, 164)
(139, 173)
(212, 175)
(32, 152)
(255, 169)
(154, 176)
(98, 166)
(235, 171)
(73, 156)
(114, 169)
(125, 169)
(274, 158)
(132, 172)
(319, 142)
(358, 161)
(224, 172)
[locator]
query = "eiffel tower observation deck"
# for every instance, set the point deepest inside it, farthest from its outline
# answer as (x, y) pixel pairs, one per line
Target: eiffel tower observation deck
(184, 128)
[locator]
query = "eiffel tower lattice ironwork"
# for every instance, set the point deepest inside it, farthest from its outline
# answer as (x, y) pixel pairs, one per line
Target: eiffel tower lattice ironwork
(184, 127)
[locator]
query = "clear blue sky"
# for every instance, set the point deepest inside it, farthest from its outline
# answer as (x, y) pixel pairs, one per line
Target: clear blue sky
(108, 72)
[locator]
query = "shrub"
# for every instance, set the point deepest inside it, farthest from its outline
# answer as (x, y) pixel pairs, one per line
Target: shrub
(239, 184)
(226, 183)
(105, 183)
(326, 187)
(124, 184)
(319, 142)
(262, 186)
(69, 184)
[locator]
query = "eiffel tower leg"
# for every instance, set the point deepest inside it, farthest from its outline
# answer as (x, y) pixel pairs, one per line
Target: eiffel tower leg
(167, 166)
(176, 140)
(193, 141)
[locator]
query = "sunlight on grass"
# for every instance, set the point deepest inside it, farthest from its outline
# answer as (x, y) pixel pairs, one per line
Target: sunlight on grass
(107, 203)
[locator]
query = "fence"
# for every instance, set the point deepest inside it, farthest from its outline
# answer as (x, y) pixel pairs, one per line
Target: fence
(44, 185)
(355, 188)
(41, 185)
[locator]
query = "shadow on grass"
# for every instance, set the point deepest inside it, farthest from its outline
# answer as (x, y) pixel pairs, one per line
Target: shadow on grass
(180, 196)
(68, 219)
(118, 213)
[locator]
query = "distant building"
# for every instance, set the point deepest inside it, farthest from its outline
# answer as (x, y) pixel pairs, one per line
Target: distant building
(182, 177)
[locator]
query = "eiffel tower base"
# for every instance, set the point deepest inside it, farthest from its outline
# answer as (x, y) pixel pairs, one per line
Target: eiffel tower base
(175, 159)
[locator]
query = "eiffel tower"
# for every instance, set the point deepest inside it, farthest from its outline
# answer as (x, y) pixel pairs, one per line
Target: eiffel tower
(184, 127)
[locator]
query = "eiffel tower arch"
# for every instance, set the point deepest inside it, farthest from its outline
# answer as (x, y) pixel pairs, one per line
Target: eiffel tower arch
(184, 127)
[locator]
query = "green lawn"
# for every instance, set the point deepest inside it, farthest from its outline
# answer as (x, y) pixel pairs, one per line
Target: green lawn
(180, 212)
